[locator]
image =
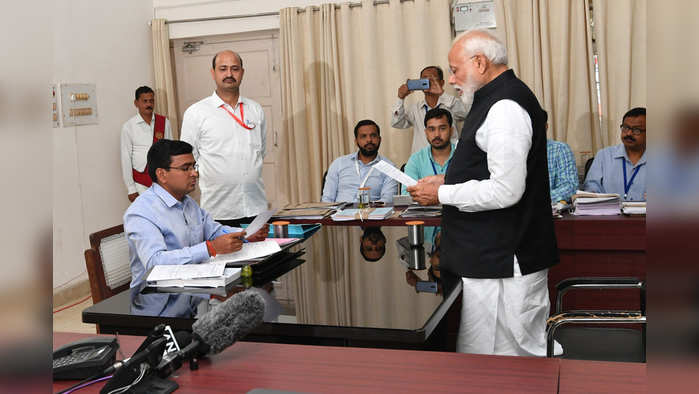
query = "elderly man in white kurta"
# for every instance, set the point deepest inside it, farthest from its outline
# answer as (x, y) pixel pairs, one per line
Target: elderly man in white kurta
(497, 232)
(228, 134)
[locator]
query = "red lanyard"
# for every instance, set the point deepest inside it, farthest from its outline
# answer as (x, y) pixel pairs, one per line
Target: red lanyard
(242, 116)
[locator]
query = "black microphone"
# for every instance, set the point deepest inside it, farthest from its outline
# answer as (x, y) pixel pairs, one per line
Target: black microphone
(219, 328)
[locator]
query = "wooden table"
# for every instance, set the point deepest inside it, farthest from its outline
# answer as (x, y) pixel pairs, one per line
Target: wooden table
(249, 365)
(592, 246)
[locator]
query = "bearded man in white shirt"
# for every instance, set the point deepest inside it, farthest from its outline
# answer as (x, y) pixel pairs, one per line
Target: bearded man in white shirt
(497, 232)
(137, 136)
(228, 134)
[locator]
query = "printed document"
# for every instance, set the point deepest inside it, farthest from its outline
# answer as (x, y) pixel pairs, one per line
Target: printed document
(250, 250)
(258, 222)
(395, 173)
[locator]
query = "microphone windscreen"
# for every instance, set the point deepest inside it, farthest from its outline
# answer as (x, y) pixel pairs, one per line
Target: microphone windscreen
(183, 339)
(230, 321)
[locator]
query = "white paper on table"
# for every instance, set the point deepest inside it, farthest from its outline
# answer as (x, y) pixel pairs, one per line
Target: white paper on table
(259, 222)
(185, 271)
(395, 173)
(250, 250)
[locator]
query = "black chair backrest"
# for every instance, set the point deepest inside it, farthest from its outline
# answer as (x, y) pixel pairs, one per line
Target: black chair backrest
(588, 164)
(322, 187)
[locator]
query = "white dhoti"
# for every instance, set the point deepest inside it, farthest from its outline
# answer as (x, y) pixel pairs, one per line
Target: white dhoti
(505, 316)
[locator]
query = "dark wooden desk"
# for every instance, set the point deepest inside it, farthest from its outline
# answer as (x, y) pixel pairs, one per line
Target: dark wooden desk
(588, 245)
(599, 246)
(576, 376)
(248, 365)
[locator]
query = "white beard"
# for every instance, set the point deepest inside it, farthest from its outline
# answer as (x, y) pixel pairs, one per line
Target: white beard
(468, 90)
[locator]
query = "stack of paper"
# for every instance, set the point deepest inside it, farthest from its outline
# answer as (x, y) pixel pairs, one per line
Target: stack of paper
(587, 203)
(192, 275)
(416, 211)
(380, 213)
(362, 214)
(633, 208)
(249, 251)
(309, 210)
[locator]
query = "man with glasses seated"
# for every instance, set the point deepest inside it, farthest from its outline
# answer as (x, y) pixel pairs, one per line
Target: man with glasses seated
(622, 168)
(164, 226)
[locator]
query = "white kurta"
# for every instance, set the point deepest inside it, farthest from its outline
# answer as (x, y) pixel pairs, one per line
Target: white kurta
(136, 139)
(501, 316)
(230, 156)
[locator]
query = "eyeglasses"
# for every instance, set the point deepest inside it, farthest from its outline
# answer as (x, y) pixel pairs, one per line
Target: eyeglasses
(633, 130)
(186, 168)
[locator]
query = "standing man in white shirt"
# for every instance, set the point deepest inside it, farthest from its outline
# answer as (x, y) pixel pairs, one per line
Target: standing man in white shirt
(228, 134)
(137, 136)
(414, 115)
(497, 232)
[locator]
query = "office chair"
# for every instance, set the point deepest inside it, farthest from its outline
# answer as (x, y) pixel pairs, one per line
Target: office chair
(588, 164)
(107, 263)
(598, 343)
(322, 184)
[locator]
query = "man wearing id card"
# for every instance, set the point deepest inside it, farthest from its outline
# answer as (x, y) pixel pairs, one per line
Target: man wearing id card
(347, 174)
(228, 134)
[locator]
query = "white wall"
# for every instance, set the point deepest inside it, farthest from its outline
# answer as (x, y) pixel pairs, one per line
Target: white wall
(188, 9)
(109, 44)
(25, 126)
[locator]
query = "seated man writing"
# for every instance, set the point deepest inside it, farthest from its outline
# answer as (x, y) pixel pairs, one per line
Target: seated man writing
(349, 173)
(166, 226)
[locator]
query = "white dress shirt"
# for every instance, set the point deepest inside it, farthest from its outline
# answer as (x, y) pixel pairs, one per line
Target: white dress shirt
(506, 137)
(414, 115)
(229, 155)
(136, 139)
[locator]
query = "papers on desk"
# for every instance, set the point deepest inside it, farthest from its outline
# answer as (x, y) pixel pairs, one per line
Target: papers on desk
(633, 208)
(395, 173)
(250, 250)
(259, 222)
(192, 275)
(304, 213)
(587, 203)
(362, 214)
(416, 211)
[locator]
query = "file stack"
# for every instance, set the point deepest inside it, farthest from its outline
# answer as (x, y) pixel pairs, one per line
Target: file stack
(587, 203)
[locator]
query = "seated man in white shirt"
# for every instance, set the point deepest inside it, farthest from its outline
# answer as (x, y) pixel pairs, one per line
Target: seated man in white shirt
(348, 173)
(137, 136)
(414, 115)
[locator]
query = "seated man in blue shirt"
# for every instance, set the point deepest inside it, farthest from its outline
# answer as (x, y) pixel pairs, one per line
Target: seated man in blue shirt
(348, 173)
(621, 168)
(563, 174)
(433, 159)
(166, 226)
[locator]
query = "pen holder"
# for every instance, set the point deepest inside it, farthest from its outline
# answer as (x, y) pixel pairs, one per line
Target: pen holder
(416, 233)
(281, 229)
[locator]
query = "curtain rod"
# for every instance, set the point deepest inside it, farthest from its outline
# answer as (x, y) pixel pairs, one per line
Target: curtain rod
(272, 13)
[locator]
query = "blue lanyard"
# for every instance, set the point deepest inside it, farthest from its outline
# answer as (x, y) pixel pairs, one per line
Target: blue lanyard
(627, 186)
(435, 168)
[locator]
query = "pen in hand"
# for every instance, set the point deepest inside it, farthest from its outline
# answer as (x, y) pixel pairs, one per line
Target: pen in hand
(226, 231)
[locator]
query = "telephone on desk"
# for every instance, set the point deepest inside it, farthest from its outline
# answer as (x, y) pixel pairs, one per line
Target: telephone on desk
(84, 358)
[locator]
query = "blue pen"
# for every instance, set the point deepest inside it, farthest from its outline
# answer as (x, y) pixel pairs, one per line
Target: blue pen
(226, 231)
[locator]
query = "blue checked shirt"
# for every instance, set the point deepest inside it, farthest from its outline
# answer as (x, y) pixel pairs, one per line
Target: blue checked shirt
(563, 174)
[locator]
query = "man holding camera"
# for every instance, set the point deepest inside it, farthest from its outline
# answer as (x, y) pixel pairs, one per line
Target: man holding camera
(435, 97)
